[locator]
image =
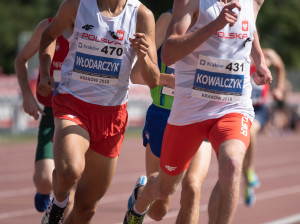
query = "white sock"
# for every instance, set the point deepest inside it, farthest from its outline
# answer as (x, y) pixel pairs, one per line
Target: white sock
(138, 213)
(61, 204)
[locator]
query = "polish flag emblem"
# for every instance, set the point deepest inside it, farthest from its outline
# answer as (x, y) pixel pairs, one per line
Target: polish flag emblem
(120, 34)
(245, 25)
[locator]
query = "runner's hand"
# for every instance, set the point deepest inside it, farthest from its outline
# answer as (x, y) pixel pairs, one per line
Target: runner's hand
(262, 75)
(32, 108)
(46, 86)
(227, 15)
(140, 44)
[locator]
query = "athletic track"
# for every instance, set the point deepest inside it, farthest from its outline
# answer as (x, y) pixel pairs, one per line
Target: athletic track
(278, 198)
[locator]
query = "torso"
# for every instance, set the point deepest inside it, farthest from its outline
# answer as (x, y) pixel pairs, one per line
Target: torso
(224, 60)
(99, 62)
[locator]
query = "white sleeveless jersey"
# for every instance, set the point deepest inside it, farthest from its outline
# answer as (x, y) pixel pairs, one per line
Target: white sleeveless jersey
(100, 58)
(214, 79)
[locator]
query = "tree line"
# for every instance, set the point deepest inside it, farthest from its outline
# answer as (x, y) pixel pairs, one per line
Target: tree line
(278, 24)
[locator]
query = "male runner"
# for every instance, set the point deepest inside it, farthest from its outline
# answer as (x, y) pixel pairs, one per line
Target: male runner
(90, 108)
(259, 98)
(156, 121)
(44, 163)
(211, 42)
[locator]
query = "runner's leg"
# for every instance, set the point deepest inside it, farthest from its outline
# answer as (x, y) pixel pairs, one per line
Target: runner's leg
(225, 195)
(191, 186)
(70, 145)
(93, 184)
(159, 209)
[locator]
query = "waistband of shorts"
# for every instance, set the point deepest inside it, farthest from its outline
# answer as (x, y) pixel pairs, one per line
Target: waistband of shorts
(86, 105)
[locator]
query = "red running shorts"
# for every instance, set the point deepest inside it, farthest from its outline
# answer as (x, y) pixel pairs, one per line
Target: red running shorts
(105, 124)
(180, 143)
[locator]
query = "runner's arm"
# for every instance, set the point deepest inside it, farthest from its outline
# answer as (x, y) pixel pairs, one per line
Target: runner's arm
(161, 28)
(164, 79)
(263, 74)
(256, 52)
(160, 35)
(30, 105)
(256, 7)
(179, 43)
(274, 60)
(63, 20)
(144, 44)
(167, 80)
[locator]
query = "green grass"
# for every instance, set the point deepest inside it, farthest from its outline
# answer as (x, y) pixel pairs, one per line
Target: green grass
(133, 132)
(8, 138)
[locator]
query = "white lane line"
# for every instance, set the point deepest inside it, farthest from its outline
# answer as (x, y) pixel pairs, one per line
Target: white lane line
(262, 196)
(115, 198)
(174, 213)
(123, 197)
(132, 177)
(29, 191)
(19, 213)
(17, 192)
(127, 178)
(278, 193)
(287, 220)
(16, 177)
(280, 172)
(28, 176)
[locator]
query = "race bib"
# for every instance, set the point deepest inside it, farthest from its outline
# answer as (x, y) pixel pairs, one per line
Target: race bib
(97, 63)
(57, 78)
(56, 75)
(219, 79)
(167, 90)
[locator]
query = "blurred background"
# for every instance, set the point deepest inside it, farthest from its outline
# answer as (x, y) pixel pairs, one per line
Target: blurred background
(278, 25)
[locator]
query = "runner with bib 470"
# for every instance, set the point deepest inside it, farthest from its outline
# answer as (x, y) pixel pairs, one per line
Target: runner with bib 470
(90, 108)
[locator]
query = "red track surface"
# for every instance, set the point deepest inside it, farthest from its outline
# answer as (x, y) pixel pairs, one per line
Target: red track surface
(278, 166)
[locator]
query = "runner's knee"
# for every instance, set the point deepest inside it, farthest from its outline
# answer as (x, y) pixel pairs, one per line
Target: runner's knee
(43, 184)
(230, 169)
(166, 190)
(158, 210)
(161, 189)
(190, 193)
(69, 175)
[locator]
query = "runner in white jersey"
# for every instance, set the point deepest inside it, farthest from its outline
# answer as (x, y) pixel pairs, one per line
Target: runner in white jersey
(211, 42)
(90, 103)
(221, 62)
(156, 120)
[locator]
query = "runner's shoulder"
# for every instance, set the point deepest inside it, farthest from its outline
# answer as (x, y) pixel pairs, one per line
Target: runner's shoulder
(144, 13)
(70, 6)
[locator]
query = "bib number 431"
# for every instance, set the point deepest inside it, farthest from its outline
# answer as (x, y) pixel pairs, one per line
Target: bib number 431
(235, 67)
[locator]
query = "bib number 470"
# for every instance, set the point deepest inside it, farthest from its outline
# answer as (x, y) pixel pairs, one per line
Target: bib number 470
(111, 50)
(235, 67)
